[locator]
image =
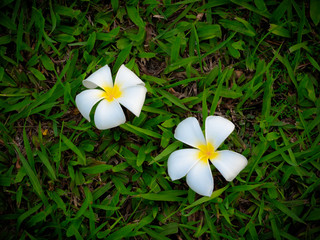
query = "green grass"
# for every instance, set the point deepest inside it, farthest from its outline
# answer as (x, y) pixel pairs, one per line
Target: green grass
(253, 62)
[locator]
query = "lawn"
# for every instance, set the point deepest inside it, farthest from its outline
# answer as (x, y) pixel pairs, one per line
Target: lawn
(254, 62)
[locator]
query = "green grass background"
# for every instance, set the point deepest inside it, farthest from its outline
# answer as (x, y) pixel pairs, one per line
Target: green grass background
(255, 62)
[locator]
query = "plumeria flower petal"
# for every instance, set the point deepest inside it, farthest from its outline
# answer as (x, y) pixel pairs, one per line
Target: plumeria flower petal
(87, 99)
(189, 132)
(133, 98)
(128, 90)
(181, 161)
(217, 130)
(229, 163)
(200, 179)
(194, 163)
(126, 78)
(108, 115)
(101, 78)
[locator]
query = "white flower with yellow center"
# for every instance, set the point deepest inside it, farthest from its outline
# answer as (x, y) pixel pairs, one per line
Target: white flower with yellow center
(128, 90)
(194, 162)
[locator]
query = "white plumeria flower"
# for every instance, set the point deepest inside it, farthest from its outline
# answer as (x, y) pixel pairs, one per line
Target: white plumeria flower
(128, 90)
(194, 162)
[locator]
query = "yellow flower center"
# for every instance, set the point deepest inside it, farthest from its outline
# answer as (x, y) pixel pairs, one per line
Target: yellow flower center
(111, 93)
(206, 152)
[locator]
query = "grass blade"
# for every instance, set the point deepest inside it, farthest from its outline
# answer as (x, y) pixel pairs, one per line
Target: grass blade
(69, 144)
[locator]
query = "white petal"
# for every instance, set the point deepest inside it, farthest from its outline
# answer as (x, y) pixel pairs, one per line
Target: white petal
(181, 161)
(126, 78)
(189, 132)
(86, 100)
(200, 180)
(100, 78)
(217, 130)
(133, 98)
(229, 163)
(108, 115)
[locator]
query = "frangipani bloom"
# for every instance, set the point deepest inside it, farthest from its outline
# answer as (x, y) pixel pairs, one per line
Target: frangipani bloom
(194, 163)
(128, 90)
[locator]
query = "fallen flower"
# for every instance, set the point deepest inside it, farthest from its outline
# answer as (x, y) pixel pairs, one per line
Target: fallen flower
(128, 90)
(194, 162)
